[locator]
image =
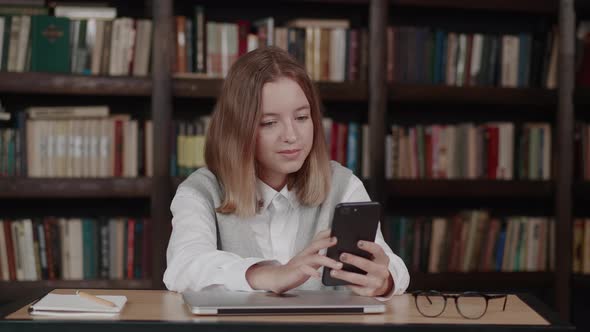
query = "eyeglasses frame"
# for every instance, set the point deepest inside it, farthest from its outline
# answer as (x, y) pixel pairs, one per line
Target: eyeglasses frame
(456, 297)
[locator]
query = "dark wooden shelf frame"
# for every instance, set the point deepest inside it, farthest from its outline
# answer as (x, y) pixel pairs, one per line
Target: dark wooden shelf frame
(469, 188)
(582, 95)
(70, 84)
(524, 6)
(424, 93)
(210, 87)
(490, 281)
(14, 187)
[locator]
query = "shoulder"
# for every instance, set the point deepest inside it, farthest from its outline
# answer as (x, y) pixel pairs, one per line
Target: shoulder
(343, 179)
(201, 183)
(339, 172)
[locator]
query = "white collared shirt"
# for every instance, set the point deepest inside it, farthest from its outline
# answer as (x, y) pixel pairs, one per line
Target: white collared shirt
(274, 227)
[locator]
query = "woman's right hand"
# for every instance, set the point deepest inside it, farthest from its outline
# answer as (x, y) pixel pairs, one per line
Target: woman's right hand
(281, 278)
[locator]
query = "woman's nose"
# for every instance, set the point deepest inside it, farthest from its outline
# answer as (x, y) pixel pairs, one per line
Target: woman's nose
(289, 134)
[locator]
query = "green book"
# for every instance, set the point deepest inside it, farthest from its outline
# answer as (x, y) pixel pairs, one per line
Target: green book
(50, 37)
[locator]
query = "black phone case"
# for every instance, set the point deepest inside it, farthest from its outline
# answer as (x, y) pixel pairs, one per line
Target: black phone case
(351, 223)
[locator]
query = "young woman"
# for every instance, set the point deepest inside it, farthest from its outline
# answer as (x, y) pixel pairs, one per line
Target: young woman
(258, 217)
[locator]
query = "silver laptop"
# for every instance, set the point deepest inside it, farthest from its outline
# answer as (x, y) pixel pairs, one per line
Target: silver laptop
(266, 303)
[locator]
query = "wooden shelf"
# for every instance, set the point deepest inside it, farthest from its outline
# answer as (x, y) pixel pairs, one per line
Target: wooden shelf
(70, 84)
(469, 188)
(481, 281)
(209, 88)
(582, 190)
(424, 93)
(524, 6)
(16, 289)
(74, 188)
(582, 95)
(581, 281)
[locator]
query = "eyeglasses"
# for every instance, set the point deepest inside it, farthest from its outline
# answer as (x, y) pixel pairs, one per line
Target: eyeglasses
(470, 305)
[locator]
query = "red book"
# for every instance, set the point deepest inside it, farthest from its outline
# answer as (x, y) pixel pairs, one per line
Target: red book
(9, 249)
(243, 30)
(353, 55)
(493, 132)
(180, 44)
(130, 247)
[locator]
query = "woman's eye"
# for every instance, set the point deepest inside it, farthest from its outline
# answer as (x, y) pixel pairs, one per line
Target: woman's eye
(268, 124)
(303, 117)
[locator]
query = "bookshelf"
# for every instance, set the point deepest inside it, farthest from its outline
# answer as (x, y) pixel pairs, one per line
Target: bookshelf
(426, 94)
(163, 91)
(468, 188)
(75, 188)
(69, 84)
(484, 281)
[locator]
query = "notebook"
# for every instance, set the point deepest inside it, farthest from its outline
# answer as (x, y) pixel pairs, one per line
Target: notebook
(74, 305)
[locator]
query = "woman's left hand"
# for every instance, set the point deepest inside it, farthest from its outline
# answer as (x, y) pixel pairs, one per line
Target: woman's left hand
(377, 281)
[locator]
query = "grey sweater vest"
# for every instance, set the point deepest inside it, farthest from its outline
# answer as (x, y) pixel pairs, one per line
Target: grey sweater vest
(233, 233)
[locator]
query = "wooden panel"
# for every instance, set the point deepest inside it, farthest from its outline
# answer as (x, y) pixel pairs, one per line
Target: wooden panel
(582, 96)
(526, 6)
(74, 188)
(168, 306)
(162, 60)
(69, 84)
(469, 188)
(378, 15)
(564, 156)
(423, 93)
(210, 88)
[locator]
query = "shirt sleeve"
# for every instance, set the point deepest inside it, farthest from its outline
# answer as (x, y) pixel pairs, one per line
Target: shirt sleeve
(356, 192)
(193, 261)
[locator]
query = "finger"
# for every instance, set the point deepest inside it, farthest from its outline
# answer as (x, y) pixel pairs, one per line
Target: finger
(356, 279)
(371, 267)
(322, 235)
(320, 260)
(375, 250)
(318, 245)
(310, 271)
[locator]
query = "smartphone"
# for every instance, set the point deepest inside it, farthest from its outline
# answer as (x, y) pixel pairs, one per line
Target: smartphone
(351, 223)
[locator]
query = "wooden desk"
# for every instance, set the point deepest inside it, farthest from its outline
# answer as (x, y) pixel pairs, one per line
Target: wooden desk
(163, 310)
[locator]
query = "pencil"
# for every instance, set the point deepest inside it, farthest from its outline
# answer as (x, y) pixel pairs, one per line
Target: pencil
(95, 299)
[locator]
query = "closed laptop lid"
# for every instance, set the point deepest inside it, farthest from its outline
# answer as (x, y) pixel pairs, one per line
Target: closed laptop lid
(218, 302)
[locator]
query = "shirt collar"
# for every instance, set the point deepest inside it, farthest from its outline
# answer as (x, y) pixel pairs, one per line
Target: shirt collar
(266, 194)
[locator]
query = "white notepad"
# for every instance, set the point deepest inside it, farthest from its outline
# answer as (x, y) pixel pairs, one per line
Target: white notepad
(65, 305)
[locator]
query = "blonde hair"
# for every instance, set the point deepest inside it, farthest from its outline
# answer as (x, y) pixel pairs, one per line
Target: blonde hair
(231, 137)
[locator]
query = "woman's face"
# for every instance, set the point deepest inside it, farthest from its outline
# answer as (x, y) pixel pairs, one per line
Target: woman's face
(285, 132)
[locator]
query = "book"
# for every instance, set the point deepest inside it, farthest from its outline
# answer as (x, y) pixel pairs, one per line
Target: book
(50, 37)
